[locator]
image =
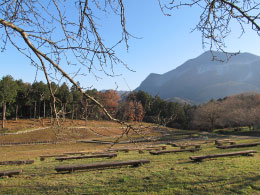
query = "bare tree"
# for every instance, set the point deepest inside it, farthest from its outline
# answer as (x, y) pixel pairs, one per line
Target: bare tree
(51, 37)
(242, 110)
(57, 33)
(207, 115)
(217, 17)
(53, 34)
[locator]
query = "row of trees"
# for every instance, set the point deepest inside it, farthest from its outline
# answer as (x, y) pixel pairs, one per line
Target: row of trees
(25, 100)
(157, 110)
(234, 111)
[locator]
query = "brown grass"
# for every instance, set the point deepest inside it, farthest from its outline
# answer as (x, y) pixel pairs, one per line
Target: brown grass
(28, 131)
(25, 152)
(21, 124)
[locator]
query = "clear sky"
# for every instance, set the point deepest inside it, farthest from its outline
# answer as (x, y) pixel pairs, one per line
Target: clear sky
(166, 42)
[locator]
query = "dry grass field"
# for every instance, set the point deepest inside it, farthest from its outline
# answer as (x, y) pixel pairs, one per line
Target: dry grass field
(33, 131)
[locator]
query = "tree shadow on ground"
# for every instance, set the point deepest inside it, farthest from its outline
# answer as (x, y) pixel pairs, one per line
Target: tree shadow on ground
(253, 133)
(233, 185)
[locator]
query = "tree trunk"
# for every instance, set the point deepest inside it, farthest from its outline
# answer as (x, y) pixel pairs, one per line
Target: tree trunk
(86, 113)
(54, 110)
(105, 155)
(72, 115)
(212, 124)
(3, 119)
(71, 168)
(16, 112)
(34, 115)
(200, 158)
(10, 173)
(39, 110)
(173, 151)
(30, 108)
(77, 112)
(42, 120)
(63, 113)
(44, 109)
(239, 145)
(51, 113)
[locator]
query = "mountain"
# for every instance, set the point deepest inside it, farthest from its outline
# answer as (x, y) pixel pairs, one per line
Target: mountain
(200, 79)
(120, 92)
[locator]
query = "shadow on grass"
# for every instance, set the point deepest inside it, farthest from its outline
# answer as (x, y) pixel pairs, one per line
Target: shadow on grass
(253, 133)
(234, 184)
(192, 135)
(209, 184)
(243, 185)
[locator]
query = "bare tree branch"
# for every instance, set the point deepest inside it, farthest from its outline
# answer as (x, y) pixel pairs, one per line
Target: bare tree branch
(216, 18)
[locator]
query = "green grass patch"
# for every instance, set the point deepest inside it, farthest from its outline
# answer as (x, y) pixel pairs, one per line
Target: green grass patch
(166, 174)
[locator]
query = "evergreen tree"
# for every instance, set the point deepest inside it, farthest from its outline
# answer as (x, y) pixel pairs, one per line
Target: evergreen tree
(8, 92)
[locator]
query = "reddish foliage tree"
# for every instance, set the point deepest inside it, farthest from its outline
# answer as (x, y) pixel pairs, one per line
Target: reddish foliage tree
(110, 101)
(133, 111)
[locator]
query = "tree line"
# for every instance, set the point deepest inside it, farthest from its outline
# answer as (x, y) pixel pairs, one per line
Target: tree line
(233, 111)
(242, 110)
(24, 100)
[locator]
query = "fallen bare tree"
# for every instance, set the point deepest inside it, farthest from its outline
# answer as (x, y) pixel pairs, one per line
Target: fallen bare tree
(239, 153)
(10, 173)
(71, 168)
(107, 155)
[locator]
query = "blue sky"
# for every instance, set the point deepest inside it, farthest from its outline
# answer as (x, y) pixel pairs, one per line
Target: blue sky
(166, 42)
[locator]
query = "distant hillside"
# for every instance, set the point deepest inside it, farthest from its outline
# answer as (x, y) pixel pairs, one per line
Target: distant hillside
(201, 79)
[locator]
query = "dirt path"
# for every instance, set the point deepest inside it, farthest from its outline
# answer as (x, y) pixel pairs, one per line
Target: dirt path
(26, 131)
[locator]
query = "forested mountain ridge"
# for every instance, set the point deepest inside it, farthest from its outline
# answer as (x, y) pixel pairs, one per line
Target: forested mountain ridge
(201, 79)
